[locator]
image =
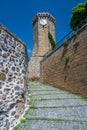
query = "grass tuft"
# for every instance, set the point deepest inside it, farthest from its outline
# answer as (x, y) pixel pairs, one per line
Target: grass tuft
(22, 120)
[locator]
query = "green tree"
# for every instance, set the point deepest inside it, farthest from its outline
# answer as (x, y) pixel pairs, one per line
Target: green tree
(51, 39)
(86, 4)
(79, 13)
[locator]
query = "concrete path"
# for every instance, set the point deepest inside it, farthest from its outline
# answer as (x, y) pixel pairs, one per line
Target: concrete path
(54, 109)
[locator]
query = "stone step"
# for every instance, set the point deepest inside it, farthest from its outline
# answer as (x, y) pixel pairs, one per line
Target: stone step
(54, 109)
(53, 98)
(62, 95)
(34, 93)
(63, 112)
(54, 119)
(44, 89)
(46, 124)
(38, 83)
(56, 106)
(62, 103)
(41, 86)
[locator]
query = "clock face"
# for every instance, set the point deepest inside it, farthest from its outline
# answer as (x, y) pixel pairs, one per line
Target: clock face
(43, 22)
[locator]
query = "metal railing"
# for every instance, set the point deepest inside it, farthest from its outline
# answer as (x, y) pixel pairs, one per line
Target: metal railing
(66, 37)
(71, 33)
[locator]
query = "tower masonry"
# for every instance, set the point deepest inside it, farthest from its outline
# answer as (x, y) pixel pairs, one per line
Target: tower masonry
(42, 24)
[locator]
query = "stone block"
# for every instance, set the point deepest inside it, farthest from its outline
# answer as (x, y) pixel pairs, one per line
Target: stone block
(2, 76)
(4, 96)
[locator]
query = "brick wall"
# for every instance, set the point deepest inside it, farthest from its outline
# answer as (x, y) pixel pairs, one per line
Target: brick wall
(66, 67)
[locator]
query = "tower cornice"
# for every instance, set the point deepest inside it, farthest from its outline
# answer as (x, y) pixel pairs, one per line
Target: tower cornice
(43, 15)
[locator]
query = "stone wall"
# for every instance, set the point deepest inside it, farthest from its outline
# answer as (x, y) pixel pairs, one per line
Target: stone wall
(66, 66)
(13, 78)
(34, 67)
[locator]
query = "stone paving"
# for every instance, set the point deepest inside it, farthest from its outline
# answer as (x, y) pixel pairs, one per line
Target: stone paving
(54, 109)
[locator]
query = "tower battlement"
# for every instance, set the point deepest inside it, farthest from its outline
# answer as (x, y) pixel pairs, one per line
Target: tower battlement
(43, 15)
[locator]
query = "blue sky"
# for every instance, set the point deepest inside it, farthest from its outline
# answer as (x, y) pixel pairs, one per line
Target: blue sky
(17, 16)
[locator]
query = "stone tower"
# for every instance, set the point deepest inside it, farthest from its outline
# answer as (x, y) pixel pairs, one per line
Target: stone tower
(42, 24)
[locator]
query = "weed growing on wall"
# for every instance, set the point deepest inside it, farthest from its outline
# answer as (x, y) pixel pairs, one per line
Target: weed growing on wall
(67, 66)
(75, 45)
(65, 76)
(51, 39)
(65, 43)
(67, 59)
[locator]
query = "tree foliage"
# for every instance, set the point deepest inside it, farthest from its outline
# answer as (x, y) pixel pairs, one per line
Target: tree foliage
(79, 13)
(51, 39)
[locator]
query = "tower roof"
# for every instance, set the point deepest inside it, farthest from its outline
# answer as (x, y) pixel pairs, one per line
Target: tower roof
(43, 15)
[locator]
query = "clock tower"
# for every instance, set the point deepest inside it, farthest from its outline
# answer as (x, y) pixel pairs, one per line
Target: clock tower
(42, 24)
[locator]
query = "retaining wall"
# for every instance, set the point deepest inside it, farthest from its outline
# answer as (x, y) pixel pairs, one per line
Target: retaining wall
(66, 66)
(13, 78)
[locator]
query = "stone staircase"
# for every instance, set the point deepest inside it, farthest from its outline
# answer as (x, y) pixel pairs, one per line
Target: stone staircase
(54, 109)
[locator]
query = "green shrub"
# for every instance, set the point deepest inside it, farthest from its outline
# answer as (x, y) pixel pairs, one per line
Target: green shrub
(51, 39)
